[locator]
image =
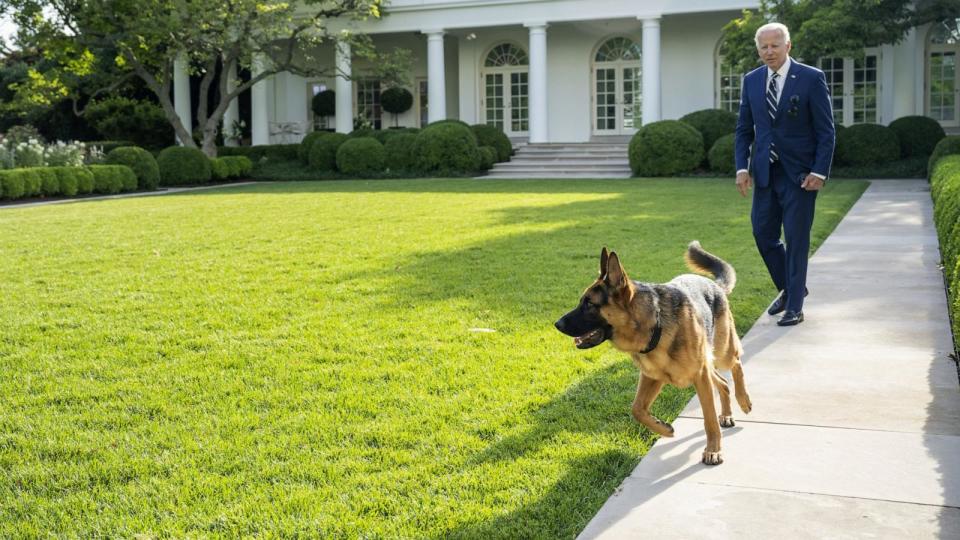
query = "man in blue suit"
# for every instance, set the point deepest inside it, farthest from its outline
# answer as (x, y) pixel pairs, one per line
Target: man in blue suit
(786, 114)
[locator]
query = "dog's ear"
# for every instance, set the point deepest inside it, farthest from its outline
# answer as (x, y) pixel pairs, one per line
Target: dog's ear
(603, 261)
(615, 276)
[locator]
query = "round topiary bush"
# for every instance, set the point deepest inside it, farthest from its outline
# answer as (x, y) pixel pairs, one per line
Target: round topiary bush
(447, 146)
(488, 157)
(869, 144)
(399, 152)
(721, 156)
(448, 121)
(664, 148)
(495, 137)
(219, 169)
(918, 135)
(361, 156)
(143, 163)
(303, 151)
(323, 153)
(324, 103)
(180, 165)
(396, 100)
(712, 124)
(947, 146)
(839, 145)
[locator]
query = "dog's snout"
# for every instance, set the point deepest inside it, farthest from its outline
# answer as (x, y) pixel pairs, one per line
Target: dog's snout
(560, 325)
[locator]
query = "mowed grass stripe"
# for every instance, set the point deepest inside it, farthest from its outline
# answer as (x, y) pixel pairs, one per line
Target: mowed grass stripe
(301, 358)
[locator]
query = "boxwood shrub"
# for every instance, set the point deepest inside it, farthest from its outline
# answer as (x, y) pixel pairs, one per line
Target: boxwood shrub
(219, 170)
(109, 179)
(488, 157)
(361, 156)
(180, 165)
(323, 153)
(712, 124)
(238, 166)
(721, 156)
(271, 152)
(918, 135)
(142, 162)
(49, 181)
(31, 182)
(945, 191)
(12, 185)
(494, 137)
(85, 181)
(947, 146)
(447, 146)
(864, 144)
(303, 151)
(665, 148)
(399, 152)
(67, 179)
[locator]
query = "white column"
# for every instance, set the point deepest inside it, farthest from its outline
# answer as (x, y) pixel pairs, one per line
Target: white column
(181, 92)
(436, 77)
(344, 89)
(260, 128)
(232, 114)
(538, 83)
(651, 70)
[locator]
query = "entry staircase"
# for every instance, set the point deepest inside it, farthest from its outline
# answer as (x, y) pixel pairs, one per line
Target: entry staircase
(606, 159)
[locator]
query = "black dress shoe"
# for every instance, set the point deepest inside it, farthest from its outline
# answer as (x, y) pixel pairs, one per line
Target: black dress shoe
(780, 303)
(791, 318)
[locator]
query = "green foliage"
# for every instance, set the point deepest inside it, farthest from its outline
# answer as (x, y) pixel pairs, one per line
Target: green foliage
(361, 156)
(914, 167)
(945, 191)
(396, 100)
(271, 152)
(67, 178)
(12, 184)
(399, 152)
(120, 118)
(447, 146)
(712, 124)
(303, 150)
(384, 135)
(237, 166)
(180, 165)
(488, 157)
(31, 182)
(918, 135)
(324, 103)
(219, 170)
(866, 144)
(495, 137)
(108, 146)
(49, 181)
(665, 148)
(110, 179)
(143, 164)
(721, 155)
(947, 146)
(85, 181)
(323, 152)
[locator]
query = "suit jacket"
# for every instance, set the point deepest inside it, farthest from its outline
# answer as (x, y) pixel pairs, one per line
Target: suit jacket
(802, 128)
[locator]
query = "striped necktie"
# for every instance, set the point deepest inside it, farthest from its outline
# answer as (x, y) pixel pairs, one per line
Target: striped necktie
(772, 111)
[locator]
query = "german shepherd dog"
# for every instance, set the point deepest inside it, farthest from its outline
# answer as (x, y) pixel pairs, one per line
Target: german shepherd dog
(680, 332)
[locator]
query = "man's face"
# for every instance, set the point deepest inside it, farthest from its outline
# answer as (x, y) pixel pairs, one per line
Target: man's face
(772, 49)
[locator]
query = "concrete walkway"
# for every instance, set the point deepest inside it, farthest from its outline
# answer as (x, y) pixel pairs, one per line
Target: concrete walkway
(855, 429)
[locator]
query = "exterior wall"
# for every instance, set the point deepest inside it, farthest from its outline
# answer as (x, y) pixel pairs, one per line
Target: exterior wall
(688, 71)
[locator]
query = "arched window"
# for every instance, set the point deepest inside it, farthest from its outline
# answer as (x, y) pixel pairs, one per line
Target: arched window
(505, 99)
(946, 32)
(943, 72)
(617, 49)
(617, 97)
(504, 55)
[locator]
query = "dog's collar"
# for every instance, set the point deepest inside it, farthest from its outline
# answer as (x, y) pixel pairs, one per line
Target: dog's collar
(655, 338)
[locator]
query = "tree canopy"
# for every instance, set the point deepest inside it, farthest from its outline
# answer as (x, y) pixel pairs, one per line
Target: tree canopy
(94, 46)
(822, 28)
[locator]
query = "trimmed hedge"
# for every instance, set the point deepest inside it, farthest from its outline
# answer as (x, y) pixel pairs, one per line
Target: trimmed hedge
(494, 137)
(323, 153)
(238, 166)
(12, 185)
(399, 152)
(143, 163)
(839, 145)
(272, 152)
(918, 135)
(712, 124)
(448, 145)
(180, 165)
(49, 181)
(109, 179)
(947, 146)
(945, 191)
(361, 156)
(488, 157)
(303, 151)
(721, 156)
(864, 144)
(107, 146)
(665, 148)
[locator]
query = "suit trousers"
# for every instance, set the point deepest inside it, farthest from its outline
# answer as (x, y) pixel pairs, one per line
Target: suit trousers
(784, 204)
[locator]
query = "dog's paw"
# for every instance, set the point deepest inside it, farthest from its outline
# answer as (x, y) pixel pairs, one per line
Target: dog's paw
(727, 421)
(665, 430)
(711, 458)
(745, 404)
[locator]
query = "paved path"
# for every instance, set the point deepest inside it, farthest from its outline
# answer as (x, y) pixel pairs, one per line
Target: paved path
(855, 429)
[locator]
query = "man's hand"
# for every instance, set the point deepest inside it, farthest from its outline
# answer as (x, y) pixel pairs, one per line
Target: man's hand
(744, 183)
(812, 183)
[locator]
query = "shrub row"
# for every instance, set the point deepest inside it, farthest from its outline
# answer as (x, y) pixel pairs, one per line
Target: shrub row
(272, 152)
(945, 190)
(66, 181)
(230, 167)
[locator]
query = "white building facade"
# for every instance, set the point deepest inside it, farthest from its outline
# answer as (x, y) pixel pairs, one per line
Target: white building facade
(582, 70)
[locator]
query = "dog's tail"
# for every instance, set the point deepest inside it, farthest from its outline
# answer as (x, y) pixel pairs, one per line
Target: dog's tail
(699, 260)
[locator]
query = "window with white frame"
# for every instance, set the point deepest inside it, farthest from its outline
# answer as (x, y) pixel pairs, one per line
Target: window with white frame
(854, 85)
(729, 79)
(368, 102)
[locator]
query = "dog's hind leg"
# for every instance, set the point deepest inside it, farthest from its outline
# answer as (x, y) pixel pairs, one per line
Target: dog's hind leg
(711, 422)
(743, 398)
(647, 391)
(726, 413)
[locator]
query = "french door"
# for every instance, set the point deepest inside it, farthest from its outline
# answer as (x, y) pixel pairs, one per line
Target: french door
(617, 100)
(943, 90)
(505, 101)
(854, 88)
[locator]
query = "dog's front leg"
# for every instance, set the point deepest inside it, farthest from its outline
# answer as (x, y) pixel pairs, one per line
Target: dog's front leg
(711, 424)
(647, 391)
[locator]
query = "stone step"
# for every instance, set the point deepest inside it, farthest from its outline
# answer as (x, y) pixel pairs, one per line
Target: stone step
(565, 161)
(559, 175)
(561, 167)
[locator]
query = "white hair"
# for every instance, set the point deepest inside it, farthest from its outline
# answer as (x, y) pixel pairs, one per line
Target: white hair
(774, 26)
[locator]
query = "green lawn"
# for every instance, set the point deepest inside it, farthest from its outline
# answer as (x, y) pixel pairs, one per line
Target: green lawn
(302, 357)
